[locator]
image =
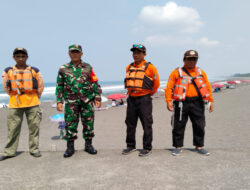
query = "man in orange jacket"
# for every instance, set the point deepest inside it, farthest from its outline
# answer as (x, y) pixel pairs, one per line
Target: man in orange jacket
(24, 85)
(187, 90)
(142, 81)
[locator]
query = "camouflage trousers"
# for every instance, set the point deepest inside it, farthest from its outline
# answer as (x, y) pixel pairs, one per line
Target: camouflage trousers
(72, 113)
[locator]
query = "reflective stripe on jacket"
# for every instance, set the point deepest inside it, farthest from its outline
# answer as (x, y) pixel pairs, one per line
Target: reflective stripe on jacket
(183, 82)
(136, 78)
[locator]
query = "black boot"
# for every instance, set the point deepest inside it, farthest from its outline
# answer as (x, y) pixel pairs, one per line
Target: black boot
(89, 148)
(70, 149)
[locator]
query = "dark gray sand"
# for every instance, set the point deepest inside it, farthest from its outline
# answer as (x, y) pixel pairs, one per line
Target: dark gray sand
(227, 139)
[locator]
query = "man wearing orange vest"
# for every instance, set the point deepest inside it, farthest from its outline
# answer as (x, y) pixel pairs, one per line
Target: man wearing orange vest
(142, 81)
(24, 85)
(187, 90)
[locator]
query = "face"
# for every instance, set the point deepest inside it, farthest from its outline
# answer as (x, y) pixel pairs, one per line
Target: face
(75, 55)
(20, 59)
(190, 62)
(138, 56)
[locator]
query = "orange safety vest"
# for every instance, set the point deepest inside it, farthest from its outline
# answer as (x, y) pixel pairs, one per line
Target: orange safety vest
(182, 84)
(136, 78)
(22, 81)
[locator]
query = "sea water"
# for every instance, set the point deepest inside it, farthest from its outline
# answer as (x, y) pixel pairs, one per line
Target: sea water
(108, 87)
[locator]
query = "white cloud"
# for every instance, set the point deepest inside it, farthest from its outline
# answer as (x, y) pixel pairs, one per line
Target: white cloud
(204, 41)
(185, 19)
(164, 40)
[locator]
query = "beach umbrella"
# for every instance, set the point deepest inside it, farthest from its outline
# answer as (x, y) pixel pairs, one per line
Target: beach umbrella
(57, 117)
(231, 82)
(104, 99)
(116, 96)
(217, 85)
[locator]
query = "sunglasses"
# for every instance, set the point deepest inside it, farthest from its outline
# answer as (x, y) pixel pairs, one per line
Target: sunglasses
(191, 58)
(137, 46)
(75, 51)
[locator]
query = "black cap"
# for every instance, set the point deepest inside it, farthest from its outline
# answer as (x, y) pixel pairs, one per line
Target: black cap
(20, 50)
(191, 53)
(138, 47)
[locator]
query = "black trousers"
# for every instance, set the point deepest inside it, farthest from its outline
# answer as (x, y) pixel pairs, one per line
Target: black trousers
(139, 107)
(195, 110)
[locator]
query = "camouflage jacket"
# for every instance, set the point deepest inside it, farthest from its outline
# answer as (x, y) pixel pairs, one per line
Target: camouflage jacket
(77, 83)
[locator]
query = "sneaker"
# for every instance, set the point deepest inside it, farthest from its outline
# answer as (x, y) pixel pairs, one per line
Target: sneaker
(145, 152)
(128, 150)
(5, 157)
(36, 155)
(202, 151)
(176, 151)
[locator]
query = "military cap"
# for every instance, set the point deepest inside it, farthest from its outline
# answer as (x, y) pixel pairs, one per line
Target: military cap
(75, 47)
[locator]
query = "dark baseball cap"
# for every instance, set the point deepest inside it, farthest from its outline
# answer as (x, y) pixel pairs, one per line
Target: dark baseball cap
(20, 50)
(75, 47)
(191, 53)
(138, 47)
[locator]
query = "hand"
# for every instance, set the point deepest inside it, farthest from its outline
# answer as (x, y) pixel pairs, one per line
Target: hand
(59, 106)
(98, 104)
(170, 106)
(211, 108)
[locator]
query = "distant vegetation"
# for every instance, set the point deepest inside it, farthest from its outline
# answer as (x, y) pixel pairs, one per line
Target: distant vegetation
(241, 75)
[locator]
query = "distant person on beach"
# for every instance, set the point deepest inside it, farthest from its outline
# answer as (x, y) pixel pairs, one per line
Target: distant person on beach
(142, 81)
(77, 86)
(24, 84)
(187, 91)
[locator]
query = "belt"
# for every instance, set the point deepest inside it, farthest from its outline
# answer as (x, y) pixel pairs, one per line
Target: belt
(139, 97)
(191, 99)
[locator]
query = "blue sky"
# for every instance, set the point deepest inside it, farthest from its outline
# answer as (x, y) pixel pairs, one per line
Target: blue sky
(106, 29)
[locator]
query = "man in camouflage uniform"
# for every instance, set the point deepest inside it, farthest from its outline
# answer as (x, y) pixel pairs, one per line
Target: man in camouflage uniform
(77, 86)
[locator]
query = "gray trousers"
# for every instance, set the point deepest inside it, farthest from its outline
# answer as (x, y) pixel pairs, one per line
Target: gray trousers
(14, 122)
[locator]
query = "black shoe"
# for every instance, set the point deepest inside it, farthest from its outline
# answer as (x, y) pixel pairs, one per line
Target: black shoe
(5, 157)
(145, 152)
(89, 148)
(128, 150)
(36, 155)
(70, 149)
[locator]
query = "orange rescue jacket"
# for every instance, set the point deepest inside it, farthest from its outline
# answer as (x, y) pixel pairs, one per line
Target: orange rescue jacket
(182, 84)
(136, 78)
(22, 81)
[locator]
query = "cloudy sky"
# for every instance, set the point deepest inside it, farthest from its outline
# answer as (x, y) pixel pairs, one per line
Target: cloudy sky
(218, 30)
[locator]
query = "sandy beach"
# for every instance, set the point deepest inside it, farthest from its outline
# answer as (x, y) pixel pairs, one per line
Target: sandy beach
(227, 138)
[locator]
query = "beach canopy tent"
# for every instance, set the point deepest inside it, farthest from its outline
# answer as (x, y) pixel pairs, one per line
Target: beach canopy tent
(116, 96)
(231, 82)
(217, 85)
(222, 82)
(245, 80)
